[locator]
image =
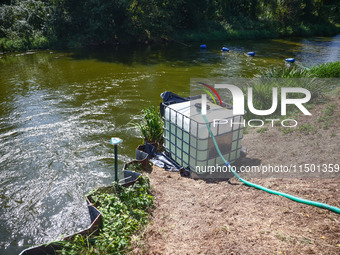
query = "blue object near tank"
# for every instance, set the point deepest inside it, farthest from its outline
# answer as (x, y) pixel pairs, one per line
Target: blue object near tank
(203, 46)
(225, 49)
(290, 60)
(251, 53)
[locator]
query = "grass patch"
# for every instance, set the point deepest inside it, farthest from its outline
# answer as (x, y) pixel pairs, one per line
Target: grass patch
(124, 211)
(286, 131)
(281, 77)
(336, 92)
(246, 130)
(329, 110)
(327, 70)
(262, 130)
(327, 115)
(305, 240)
(263, 93)
(285, 72)
(307, 129)
(284, 238)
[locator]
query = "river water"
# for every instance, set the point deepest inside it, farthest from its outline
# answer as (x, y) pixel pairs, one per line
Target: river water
(58, 111)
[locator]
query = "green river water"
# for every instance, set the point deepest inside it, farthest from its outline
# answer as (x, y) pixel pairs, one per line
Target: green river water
(59, 109)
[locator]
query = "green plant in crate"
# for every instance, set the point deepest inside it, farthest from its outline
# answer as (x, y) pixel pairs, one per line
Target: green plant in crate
(151, 125)
(138, 166)
(125, 211)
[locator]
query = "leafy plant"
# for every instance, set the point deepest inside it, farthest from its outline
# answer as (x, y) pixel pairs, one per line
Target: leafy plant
(151, 125)
(138, 167)
(124, 211)
(23, 25)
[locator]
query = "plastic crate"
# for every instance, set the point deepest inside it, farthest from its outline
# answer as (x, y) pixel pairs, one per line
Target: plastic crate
(187, 138)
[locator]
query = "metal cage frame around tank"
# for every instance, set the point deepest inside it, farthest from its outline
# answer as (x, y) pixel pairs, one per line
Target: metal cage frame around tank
(176, 149)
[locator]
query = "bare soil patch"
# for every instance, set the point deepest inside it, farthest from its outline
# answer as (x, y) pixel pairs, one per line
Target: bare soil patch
(212, 217)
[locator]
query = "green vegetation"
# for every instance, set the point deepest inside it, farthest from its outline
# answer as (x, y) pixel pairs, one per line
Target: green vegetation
(285, 238)
(307, 129)
(24, 25)
(124, 211)
(285, 72)
(138, 167)
(264, 84)
(327, 115)
(262, 130)
(151, 125)
(328, 70)
(263, 94)
(286, 131)
(31, 24)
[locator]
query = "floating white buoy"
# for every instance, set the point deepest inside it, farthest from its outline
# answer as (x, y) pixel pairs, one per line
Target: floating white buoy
(251, 53)
(290, 60)
(225, 49)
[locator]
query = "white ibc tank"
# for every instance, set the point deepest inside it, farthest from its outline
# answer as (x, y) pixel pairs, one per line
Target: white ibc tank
(187, 138)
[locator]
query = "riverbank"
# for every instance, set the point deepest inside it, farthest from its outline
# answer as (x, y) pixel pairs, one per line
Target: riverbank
(184, 38)
(256, 34)
(202, 217)
(61, 25)
(60, 109)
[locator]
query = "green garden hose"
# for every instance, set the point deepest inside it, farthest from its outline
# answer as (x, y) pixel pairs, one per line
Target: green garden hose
(296, 199)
